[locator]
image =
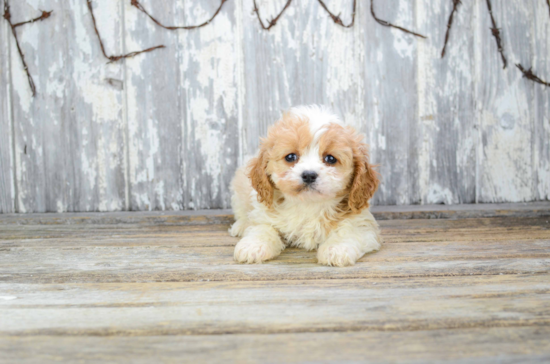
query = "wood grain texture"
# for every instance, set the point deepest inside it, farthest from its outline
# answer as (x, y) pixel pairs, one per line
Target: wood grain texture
(396, 230)
(498, 345)
(166, 130)
(541, 121)
(464, 290)
(69, 140)
(415, 248)
(390, 109)
(7, 192)
(154, 109)
(275, 307)
(205, 217)
(304, 59)
(445, 138)
(505, 106)
(211, 103)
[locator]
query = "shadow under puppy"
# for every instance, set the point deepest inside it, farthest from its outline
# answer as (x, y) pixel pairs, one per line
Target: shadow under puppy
(308, 187)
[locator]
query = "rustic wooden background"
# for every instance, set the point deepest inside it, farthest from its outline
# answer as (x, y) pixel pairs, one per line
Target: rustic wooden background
(166, 130)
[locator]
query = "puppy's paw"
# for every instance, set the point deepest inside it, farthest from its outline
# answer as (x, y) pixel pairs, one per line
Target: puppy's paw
(338, 255)
(238, 228)
(250, 250)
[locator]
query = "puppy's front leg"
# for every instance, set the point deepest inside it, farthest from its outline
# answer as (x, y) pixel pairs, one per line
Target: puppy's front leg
(346, 245)
(259, 243)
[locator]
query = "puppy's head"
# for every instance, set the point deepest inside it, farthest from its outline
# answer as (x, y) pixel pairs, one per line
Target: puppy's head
(308, 155)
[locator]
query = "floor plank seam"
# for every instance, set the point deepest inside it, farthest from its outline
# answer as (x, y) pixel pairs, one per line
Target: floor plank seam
(4, 279)
(372, 327)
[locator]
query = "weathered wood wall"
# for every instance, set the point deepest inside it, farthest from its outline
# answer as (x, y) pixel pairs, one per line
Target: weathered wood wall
(166, 130)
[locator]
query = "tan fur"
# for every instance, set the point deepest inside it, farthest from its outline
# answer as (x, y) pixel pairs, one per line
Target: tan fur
(259, 177)
(290, 135)
(365, 180)
(345, 144)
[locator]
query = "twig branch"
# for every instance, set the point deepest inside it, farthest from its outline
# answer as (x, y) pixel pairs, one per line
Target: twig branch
(548, 2)
(388, 24)
(336, 18)
(138, 5)
(531, 76)
(7, 16)
(273, 21)
(456, 3)
(45, 15)
(496, 34)
(133, 54)
(119, 57)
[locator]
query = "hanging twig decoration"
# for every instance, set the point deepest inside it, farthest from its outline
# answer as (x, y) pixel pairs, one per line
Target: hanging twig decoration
(175, 27)
(531, 76)
(7, 16)
(456, 3)
(119, 57)
(273, 21)
(496, 34)
(388, 24)
(336, 18)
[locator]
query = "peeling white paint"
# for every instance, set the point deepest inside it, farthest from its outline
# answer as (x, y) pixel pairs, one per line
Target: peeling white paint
(340, 59)
(159, 190)
(439, 195)
(82, 30)
(403, 43)
(89, 169)
(60, 206)
(506, 150)
(103, 100)
(208, 133)
(305, 58)
(19, 79)
(427, 105)
(153, 149)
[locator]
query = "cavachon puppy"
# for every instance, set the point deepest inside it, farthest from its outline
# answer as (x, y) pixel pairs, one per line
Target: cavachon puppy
(308, 187)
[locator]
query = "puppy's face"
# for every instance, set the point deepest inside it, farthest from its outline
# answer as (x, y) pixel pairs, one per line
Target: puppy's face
(309, 156)
(308, 163)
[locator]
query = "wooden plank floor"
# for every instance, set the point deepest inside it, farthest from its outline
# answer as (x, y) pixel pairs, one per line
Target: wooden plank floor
(135, 289)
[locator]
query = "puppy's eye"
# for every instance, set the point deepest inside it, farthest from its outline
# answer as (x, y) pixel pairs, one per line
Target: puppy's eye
(330, 159)
(291, 158)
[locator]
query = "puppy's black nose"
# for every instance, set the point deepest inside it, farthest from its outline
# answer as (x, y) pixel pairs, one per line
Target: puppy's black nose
(309, 177)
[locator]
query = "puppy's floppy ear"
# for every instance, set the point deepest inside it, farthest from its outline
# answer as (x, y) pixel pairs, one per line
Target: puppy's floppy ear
(365, 180)
(260, 180)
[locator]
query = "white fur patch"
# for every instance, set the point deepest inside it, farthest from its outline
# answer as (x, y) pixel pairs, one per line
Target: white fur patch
(328, 183)
(318, 116)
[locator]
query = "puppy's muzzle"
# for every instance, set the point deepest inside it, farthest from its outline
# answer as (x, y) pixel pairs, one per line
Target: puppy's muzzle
(309, 177)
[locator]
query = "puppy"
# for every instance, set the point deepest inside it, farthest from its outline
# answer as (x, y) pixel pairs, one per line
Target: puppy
(308, 187)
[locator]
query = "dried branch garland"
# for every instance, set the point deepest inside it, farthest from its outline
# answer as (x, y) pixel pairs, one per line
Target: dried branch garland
(496, 34)
(140, 7)
(456, 3)
(531, 76)
(388, 24)
(7, 16)
(273, 21)
(119, 57)
(336, 18)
